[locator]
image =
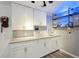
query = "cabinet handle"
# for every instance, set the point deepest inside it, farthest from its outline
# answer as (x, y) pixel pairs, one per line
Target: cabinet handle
(56, 43)
(25, 49)
(44, 44)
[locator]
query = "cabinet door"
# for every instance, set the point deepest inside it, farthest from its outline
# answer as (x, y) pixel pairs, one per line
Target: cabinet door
(28, 24)
(36, 17)
(18, 17)
(37, 49)
(50, 45)
(17, 52)
(32, 50)
(54, 44)
(39, 18)
(60, 41)
(41, 48)
(22, 17)
(43, 18)
(47, 46)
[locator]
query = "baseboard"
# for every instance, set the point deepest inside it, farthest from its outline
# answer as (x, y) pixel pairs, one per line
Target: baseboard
(69, 53)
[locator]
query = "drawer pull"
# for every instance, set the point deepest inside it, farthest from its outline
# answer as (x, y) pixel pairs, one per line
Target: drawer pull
(25, 49)
(45, 44)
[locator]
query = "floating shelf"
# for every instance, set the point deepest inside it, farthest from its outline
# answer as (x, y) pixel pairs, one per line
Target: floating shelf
(75, 13)
(69, 13)
(72, 11)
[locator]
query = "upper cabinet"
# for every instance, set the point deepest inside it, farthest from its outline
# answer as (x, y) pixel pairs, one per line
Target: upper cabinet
(22, 17)
(25, 18)
(39, 18)
(28, 24)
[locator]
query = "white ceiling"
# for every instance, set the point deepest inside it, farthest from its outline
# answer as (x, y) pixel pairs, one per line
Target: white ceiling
(38, 4)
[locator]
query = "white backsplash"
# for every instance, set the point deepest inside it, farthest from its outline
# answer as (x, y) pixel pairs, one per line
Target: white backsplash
(22, 33)
(30, 33)
(40, 33)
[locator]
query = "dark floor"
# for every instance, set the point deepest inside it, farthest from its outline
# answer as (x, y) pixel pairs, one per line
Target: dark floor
(57, 54)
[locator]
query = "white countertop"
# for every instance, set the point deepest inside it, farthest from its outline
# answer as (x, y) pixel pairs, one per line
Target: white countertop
(23, 39)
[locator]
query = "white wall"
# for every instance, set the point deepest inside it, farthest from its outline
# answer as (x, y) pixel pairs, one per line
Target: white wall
(69, 42)
(6, 35)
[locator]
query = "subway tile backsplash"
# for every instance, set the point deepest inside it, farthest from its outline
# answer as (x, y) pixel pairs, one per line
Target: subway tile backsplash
(22, 33)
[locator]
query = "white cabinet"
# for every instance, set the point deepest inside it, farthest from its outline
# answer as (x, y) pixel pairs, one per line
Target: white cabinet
(24, 50)
(39, 18)
(41, 48)
(33, 49)
(17, 52)
(22, 17)
(18, 17)
(54, 44)
(50, 45)
(28, 24)
(60, 41)
(46, 46)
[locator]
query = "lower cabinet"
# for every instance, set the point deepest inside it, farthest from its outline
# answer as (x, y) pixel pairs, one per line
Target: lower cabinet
(33, 50)
(17, 52)
(24, 50)
(36, 49)
(47, 46)
(54, 44)
(41, 47)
